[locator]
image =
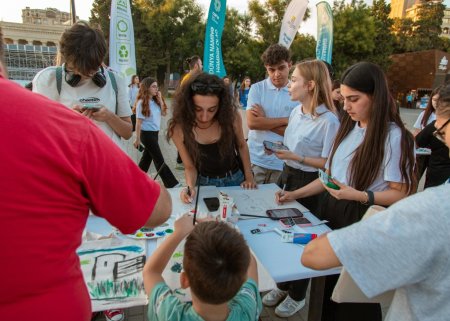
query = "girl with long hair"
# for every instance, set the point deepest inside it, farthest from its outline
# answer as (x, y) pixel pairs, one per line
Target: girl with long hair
(372, 162)
(243, 92)
(149, 107)
(207, 131)
(309, 136)
(437, 164)
(428, 115)
(338, 100)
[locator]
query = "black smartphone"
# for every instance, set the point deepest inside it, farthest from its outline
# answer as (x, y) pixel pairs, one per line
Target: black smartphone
(140, 148)
(280, 213)
(212, 203)
(274, 146)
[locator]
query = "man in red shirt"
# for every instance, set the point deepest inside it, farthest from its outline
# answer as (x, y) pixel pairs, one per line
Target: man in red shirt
(55, 166)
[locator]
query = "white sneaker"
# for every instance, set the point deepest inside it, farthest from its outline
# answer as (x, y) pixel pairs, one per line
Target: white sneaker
(274, 297)
(289, 307)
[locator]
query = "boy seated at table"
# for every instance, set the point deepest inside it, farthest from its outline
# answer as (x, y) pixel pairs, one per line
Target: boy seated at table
(218, 267)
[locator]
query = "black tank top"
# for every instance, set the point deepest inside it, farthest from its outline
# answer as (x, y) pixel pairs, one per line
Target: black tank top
(212, 164)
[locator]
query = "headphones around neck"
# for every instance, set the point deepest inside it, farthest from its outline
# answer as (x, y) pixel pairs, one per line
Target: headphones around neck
(72, 80)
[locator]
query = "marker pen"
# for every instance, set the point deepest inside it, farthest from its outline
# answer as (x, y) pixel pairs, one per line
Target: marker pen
(298, 238)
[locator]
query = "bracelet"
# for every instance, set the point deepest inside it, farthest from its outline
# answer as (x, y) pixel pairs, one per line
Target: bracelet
(371, 197)
(366, 202)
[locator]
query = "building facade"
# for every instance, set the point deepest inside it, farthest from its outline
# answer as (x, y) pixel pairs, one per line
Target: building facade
(32, 44)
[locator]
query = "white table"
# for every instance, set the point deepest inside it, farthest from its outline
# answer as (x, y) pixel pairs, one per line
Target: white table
(282, 260)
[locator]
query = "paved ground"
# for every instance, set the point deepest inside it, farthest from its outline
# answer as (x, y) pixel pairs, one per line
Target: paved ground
(409, 116)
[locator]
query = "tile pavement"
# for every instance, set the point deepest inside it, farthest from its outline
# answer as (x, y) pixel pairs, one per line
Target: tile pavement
(409, 116)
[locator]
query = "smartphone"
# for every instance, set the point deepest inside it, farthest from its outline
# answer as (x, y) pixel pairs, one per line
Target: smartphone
(327, 180)
(212, 203)
(140, 148)
(280, 213)
(92, 106)
(274, 146)
(291, 221)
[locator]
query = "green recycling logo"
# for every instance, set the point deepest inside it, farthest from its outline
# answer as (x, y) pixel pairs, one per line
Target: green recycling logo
(123, 52)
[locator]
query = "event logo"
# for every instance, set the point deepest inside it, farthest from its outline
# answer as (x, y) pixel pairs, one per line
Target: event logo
(123, 52)
(217, 5)
(122, 26)
(443, 64)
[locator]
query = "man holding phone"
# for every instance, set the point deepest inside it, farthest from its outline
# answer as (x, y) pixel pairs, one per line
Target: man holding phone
(268, 113)
(85, 85)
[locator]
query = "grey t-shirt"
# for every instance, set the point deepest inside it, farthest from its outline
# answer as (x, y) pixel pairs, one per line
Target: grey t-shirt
(406, 247)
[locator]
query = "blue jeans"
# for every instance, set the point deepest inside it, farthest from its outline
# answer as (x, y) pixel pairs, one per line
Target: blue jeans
(232, 179)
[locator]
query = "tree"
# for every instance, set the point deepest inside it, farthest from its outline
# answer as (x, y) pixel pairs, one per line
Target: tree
(427, 27)
(175, 31)
(403, 34)
(384, 39)
(237, 44)
(268, 18)
(354, 34)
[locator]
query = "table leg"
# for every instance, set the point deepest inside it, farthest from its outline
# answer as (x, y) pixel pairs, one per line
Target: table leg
(316, 298)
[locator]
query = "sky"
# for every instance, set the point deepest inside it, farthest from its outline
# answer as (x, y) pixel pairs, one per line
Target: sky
(12, 11)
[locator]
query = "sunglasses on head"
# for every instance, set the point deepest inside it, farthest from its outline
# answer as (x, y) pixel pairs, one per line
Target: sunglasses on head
(439, 134)
(204, 89)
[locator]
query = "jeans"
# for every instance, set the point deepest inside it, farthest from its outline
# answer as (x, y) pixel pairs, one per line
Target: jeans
(152, 152)
(232, 179)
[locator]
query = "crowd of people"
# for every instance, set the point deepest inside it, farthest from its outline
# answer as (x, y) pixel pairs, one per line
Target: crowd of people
(73, 162)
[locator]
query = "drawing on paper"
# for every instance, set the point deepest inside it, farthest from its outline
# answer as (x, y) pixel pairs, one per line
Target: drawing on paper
(171, 273)
(256, 202)
(112, 270)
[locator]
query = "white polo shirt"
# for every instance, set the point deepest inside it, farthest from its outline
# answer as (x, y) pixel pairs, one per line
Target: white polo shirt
(276, 104)
(418, 123)
(44, 83)
(310, 136)
(390, 166)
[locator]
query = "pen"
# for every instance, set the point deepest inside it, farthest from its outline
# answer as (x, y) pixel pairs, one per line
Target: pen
(251, 215)
(282, 191)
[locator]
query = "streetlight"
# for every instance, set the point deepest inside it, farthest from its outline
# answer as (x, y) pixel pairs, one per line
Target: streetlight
(73, 15)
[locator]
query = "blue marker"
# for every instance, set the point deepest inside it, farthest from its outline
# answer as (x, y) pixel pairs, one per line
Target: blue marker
(298, 238)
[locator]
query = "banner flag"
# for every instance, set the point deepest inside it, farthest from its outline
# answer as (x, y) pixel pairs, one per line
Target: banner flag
(212, 52)
(122, 57)
(324, 47)
(291, 21)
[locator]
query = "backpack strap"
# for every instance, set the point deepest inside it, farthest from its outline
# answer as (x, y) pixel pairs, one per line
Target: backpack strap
(114, 85)
(58, 79)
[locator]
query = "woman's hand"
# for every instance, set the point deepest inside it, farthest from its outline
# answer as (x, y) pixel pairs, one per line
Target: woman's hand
(283, 196)
(286, 155)
(187, 194)
(344, 192)
(249, 184)
(137, 142)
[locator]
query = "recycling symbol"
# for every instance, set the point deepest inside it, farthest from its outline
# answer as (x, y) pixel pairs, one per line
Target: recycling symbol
(123, 52)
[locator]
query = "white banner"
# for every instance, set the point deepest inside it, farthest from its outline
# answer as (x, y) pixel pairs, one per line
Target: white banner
(122, 57)
(291, 21)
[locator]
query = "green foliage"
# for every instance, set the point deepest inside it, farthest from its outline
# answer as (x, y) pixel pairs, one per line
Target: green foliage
(354, 34)
(427, 28)
(384, 39)
(268, 17)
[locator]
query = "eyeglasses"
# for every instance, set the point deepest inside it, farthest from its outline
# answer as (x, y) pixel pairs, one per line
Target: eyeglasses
(204, 89)
(439, 134)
